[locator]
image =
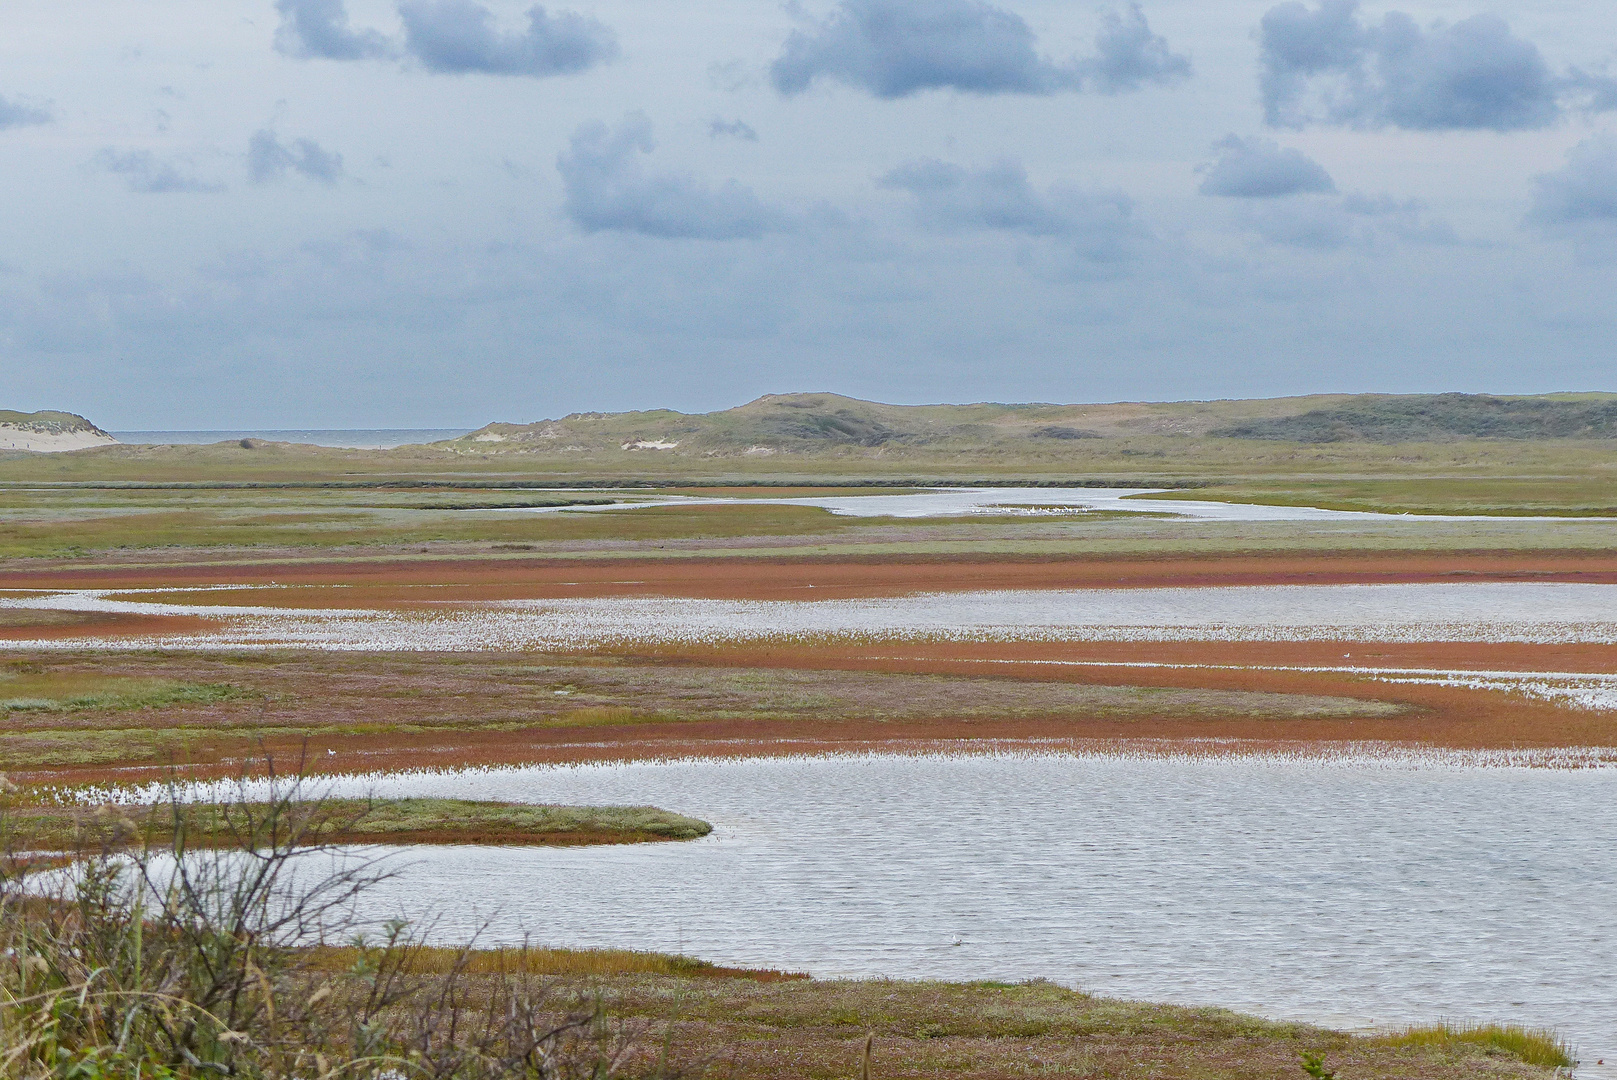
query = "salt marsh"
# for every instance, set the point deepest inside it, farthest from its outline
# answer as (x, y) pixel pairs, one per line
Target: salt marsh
(1548, 613)
(1349, 890)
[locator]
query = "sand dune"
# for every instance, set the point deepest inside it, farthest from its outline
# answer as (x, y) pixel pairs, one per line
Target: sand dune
(49, 432)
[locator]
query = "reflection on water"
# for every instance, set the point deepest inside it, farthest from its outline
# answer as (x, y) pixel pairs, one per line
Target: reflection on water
(1351, 892)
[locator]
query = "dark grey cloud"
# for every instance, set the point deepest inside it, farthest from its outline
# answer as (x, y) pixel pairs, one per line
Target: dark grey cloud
(268, 159)
(459, 36)
(16, 114)
(1326, 65)
(606, 189)
(950, 198)
(144, 172)
(1262, 169)
(1583, 192)
(736, 129)
(894, 48)
(319, 28)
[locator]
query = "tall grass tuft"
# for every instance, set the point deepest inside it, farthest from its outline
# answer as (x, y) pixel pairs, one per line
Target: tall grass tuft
(1535, 1046)
(193, 959)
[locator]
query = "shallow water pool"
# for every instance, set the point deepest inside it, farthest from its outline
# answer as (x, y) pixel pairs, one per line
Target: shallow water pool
(1349, 892)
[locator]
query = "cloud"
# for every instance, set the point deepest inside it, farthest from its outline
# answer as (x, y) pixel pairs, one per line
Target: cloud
(454, 37)
(736, 129)
(16, 114)
(144, 172)
(606, 189)
(1583, 192)
(319, 28)
(950, 198)
(1326, 223)
(1325, 65)
(732, 76)
(268, 159)
(894, 48)
(459, 36)
(1405, 219)
(1261, 169)
(1128, 55)
(1590, 91)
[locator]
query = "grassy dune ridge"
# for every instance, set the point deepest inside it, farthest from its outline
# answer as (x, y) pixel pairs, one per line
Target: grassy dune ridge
(806, 423)
(1552, 452)
(46, 420)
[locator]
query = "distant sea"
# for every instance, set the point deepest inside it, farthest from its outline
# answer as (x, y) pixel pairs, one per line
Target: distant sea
(354, 439)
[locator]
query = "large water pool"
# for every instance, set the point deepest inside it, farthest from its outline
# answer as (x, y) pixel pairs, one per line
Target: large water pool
(1352, 891)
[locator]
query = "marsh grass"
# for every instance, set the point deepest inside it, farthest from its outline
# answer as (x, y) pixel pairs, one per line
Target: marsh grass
(62, 535)
(1590, 495)
(349, 821)
(42, 690)
(1535, 1046)
(600, 715)
(548, 961)
(401, 700)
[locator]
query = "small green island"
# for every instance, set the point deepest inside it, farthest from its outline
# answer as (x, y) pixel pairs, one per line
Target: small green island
(342, 821)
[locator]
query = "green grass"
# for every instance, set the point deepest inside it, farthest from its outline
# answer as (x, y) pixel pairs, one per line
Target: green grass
(1503, 496)
(358, 821)
(547, 961)
(45, 418)
(39, 690)
(220, 527)
(1535, 1046)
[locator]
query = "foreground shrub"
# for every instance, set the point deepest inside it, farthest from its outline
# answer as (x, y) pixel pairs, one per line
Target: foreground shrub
(194, 959)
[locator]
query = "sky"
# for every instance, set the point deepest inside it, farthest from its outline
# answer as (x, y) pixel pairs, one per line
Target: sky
(376, 213)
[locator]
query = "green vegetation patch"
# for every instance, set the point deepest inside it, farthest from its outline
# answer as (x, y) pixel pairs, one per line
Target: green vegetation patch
(46, 420)
(1535, 1046)
(438, 960)
(30, 688)
(76, 534)
(377, 821)
(1505, 496)
(1431, 417)
(514, 823)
